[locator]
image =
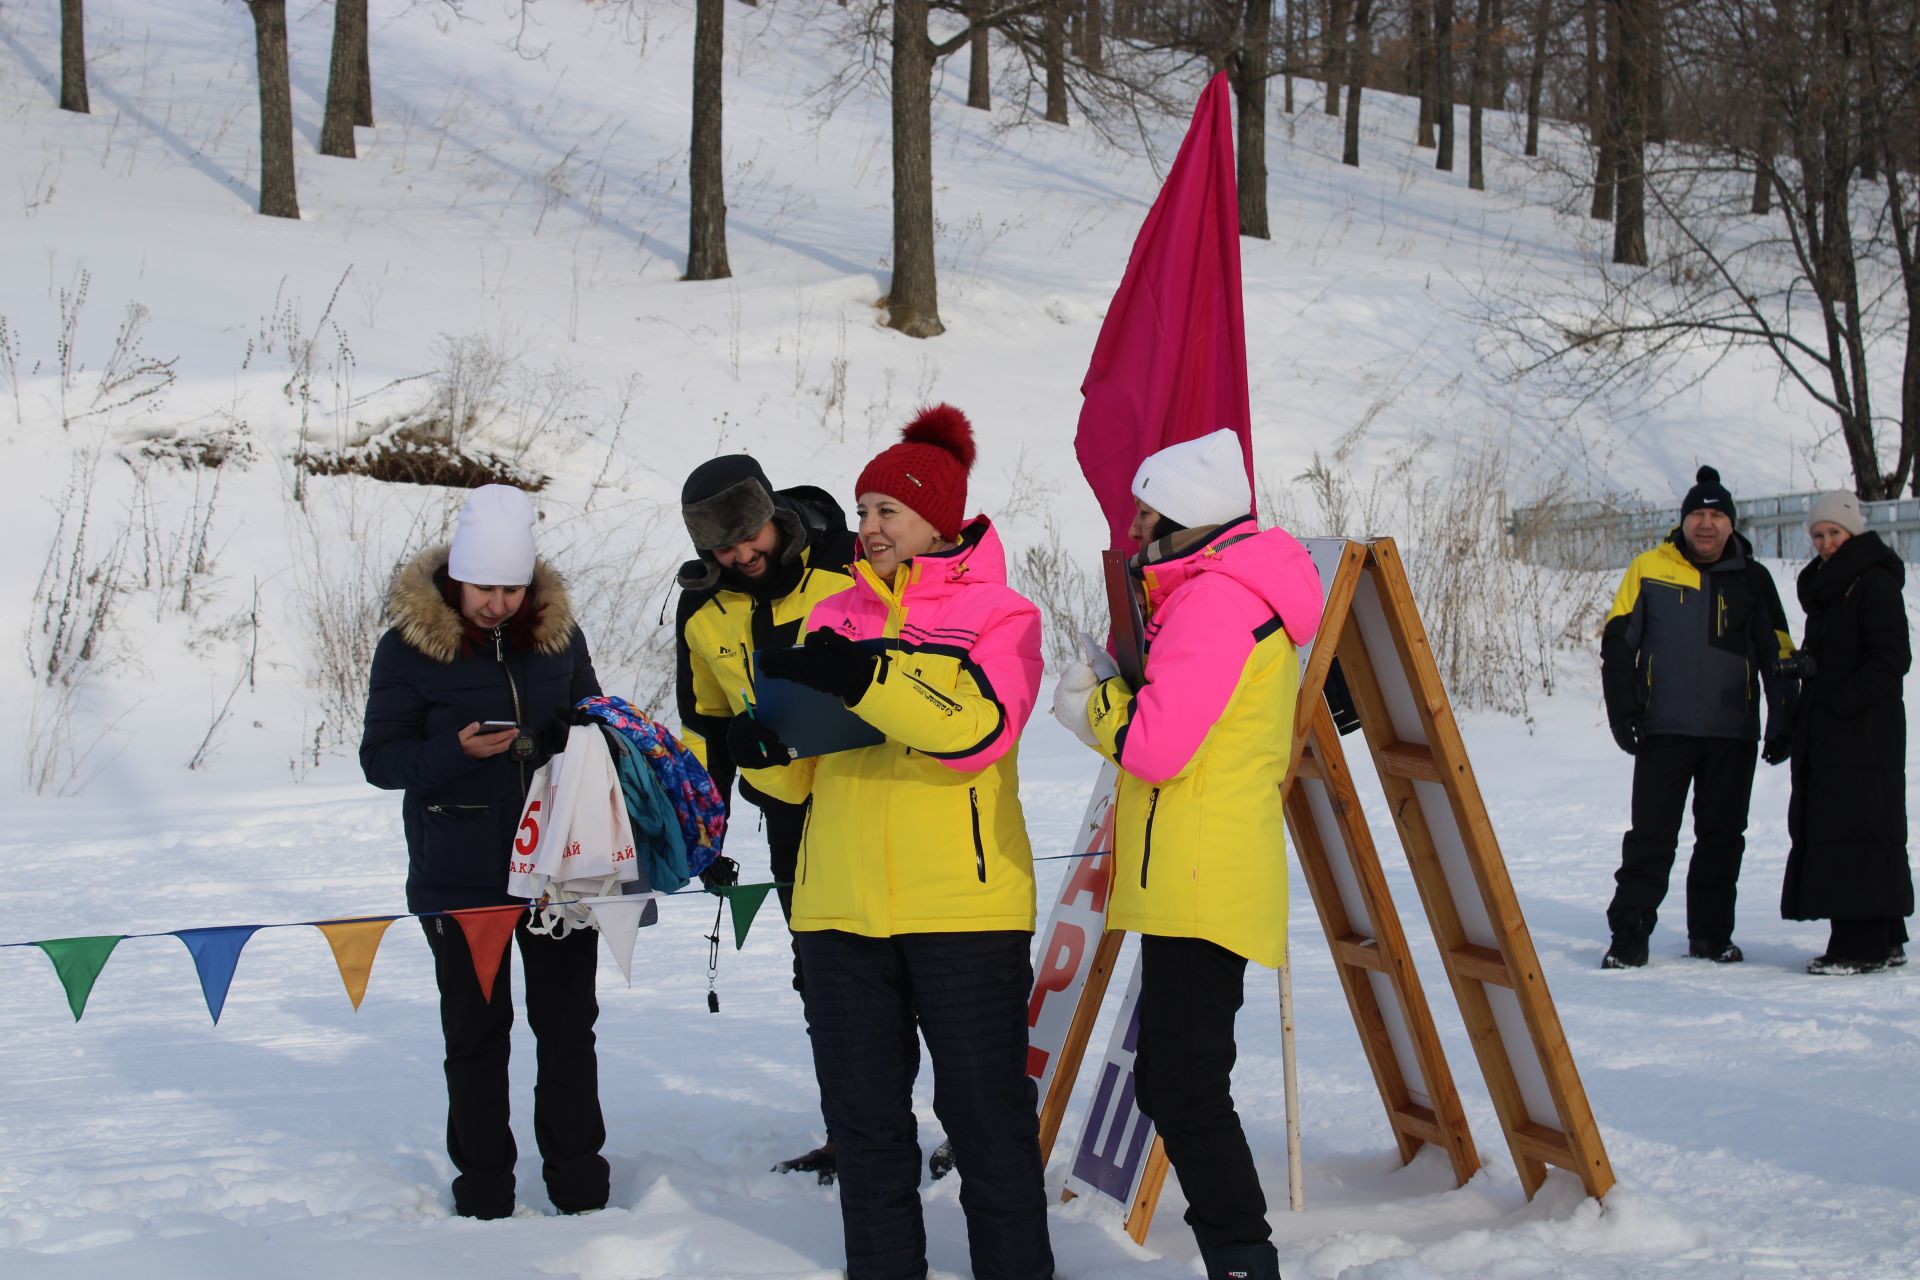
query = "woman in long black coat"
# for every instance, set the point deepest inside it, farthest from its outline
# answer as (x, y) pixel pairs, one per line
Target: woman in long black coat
(483, 632)
(1848, 815)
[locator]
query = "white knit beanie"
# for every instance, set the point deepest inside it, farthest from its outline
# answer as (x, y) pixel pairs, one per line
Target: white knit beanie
(493, 544)
(1840, 507)
(1197, 482)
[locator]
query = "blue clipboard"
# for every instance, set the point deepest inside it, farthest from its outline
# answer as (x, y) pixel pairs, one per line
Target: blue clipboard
(809, 721)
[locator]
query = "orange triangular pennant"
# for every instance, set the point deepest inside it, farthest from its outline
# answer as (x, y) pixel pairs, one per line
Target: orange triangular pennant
(488, 931)
(354, 943)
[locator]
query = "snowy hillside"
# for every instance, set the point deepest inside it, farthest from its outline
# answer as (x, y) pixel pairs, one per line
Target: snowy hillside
(511, 237)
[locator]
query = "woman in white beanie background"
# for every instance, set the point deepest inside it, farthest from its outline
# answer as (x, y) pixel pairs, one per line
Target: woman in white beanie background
(1200, 861)
(482, 630)
(1848, 816)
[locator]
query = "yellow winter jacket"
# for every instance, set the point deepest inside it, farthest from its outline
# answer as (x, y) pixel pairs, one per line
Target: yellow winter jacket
(1203, 746)
(924, 833)
(722, 632)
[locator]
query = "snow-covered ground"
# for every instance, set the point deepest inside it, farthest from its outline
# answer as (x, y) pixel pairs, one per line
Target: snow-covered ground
(1761, 1122)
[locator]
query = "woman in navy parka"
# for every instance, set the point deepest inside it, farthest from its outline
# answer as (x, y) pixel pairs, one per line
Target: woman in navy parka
(483, 631)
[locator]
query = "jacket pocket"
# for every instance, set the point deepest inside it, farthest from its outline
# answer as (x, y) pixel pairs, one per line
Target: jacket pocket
(979, 849)
(463, 847)
(1146, 845)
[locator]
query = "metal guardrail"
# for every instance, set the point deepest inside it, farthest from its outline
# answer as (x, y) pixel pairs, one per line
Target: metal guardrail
(1607, 535)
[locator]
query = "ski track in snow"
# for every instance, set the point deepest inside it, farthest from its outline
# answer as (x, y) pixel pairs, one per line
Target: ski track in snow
(1761, 1123)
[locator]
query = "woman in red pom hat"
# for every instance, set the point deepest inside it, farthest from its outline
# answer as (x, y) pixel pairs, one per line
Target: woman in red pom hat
(914, 906)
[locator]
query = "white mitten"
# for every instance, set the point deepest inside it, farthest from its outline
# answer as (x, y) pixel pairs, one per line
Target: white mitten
(1077, 684)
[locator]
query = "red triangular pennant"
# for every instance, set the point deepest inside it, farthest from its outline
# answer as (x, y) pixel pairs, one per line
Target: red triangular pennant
(488, 931)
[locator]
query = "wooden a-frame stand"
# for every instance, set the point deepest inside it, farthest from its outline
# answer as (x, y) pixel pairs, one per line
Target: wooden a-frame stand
(1370, 624)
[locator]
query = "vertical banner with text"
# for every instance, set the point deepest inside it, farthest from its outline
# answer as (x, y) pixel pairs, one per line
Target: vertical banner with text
(1111, 1156)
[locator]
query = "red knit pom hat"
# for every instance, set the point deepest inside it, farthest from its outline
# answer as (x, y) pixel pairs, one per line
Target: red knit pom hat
(927, 470)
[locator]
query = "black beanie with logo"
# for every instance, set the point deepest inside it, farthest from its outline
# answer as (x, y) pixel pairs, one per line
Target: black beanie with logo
(1709, 494)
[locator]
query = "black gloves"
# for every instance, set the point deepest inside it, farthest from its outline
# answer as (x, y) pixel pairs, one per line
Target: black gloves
(752, 744)
(722, 871)
(830, 663)
(1626, 732)
(1777, 750)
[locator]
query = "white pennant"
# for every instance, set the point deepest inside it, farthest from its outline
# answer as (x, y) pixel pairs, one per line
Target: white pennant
(618, 919)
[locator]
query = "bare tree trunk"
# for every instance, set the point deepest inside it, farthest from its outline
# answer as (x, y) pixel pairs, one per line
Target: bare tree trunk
(73, 58)
(913, 300)
(1904, 240)
(1477, 96)
(1362, 62)
(363, 103)
(1250, 96)
(1338, 12)
(1287, 56)
(1536, 73)
(1053, 52)
(1093, 35)
(1768, 147)
(1443, 81)
(1423, 72)
(1494, 93)
(706, 168)
(1652, 51)
(278, 198)
(1630, 132)
(1600, 111)
(343, 78)
(979, 58)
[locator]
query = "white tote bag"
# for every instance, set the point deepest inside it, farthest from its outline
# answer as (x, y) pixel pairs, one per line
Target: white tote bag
(575, 839)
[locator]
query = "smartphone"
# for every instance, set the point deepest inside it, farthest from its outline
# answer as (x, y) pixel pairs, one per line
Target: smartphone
(497, 726)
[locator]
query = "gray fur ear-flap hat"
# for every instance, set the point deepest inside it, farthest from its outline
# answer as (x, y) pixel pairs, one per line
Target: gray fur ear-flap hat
(726, 500)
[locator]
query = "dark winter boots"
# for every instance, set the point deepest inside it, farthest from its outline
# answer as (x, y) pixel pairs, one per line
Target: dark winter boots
(1241, 1261)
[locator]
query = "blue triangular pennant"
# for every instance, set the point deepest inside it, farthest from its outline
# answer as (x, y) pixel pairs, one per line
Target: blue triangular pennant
(215, 952)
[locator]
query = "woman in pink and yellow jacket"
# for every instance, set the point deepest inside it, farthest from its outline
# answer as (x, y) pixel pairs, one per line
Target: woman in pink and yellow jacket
(1201, 864)
(913, 903)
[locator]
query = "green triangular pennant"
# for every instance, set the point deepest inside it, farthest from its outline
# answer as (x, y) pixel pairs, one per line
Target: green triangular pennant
(78, 962)
(744, 901)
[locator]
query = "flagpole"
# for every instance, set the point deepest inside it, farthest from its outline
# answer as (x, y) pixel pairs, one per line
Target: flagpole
(1296, 1196)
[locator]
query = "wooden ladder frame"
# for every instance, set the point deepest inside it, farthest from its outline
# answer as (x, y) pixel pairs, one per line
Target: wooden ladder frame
(1371, 625)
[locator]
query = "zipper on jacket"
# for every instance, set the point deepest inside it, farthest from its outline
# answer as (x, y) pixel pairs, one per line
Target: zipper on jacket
(454, 810)
(1146, 850)
(979, 850)
(513, 690)
(806, 829)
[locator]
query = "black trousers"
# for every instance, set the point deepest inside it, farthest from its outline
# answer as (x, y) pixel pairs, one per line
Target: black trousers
(785, 825)
(1720, 773)
(1190, 990)
(967, 994)
(561, 1009)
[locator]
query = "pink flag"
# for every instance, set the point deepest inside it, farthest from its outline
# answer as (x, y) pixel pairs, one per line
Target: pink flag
(1171, 361)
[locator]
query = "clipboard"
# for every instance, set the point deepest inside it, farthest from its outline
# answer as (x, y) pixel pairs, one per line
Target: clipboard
(1129, 628)
(812, 723)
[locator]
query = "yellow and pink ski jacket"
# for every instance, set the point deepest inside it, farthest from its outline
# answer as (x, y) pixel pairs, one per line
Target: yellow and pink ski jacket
(924, 833)
(1203, 746)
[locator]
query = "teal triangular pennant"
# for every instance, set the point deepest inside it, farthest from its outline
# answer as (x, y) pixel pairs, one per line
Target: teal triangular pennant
(78, 962)
(744, 900)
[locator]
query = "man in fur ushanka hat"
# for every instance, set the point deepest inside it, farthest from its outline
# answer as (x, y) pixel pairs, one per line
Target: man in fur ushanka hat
(765, 558)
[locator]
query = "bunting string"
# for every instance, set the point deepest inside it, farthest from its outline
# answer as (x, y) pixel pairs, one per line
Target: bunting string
(355, 941)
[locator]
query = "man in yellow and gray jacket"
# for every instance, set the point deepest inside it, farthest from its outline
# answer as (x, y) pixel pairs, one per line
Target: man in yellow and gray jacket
(765, 559)
(1695, 632)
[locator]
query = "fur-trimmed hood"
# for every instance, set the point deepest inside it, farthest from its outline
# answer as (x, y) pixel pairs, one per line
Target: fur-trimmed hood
(427, 623)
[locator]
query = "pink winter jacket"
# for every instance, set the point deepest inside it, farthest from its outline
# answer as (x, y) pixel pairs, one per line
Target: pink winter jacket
(924, 833)
(1204, 745)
